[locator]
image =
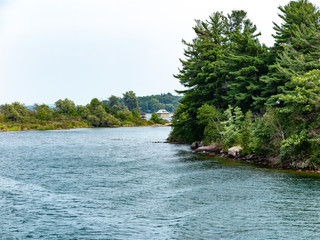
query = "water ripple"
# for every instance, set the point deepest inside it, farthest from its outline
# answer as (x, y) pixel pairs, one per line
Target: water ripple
(117, 184)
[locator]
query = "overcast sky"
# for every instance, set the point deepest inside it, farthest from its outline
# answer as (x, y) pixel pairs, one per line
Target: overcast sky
(77, 49)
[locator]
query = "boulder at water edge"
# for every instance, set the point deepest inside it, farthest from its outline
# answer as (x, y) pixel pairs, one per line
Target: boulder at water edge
(195, 145)
(234, 151)
(213, 148)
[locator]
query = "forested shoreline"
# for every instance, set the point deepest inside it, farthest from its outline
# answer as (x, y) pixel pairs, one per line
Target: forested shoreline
(239, 92)
(153, 103)
(65, 114)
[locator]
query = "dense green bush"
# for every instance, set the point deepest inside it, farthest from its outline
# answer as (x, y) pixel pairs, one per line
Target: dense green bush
(108, 121)
(94, 120)
(155, 118)
(295, 148)
(212, 119)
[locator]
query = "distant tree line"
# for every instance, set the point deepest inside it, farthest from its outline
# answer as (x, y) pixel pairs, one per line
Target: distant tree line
(153, 103)
(241, 92)
(110, 113)
(147, 104)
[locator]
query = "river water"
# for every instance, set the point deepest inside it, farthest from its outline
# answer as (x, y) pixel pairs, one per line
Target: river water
(117, 183)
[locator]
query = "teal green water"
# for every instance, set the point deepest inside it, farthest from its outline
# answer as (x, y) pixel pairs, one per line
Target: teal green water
(116, 183)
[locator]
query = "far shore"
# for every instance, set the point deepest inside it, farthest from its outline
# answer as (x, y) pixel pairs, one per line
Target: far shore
(20, 130)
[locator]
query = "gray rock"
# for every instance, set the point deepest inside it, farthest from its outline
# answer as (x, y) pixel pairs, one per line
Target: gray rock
(195, 145)
(213, 148)
(234, 151)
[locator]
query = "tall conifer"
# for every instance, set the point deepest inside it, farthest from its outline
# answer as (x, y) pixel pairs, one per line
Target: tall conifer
(297, 44)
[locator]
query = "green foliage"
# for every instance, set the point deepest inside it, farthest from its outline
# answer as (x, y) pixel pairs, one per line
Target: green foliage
(130, 100)
(98, 116)
(261, 138)
(125, 115)
(245, 136)
(222, 67)
(184, 128)
(226, 69)
(43, 125)
(297, 47)
(231, 126)
(136, 114)
(10, 113)
(94, 120)
(43, 112)
(95, 106)
(66, 107)
(278, 122)
(155, 118)
(314, 160)
(244, 64)
(83, 111)
(17, 117)
(15, 112)
(115, 103)
(295, 147)
(211, 118)
(302, 95)
(146, 104)
(109, 121)
(155, 102)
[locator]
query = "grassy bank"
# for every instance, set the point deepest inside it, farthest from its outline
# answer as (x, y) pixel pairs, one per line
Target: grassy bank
(68, 124)
(50, 125)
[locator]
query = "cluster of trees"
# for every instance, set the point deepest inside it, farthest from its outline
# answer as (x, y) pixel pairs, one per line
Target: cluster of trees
(148, 104)
(153, 103)
(17, 116)
(65, 114)
(240, 92)
(129, 102)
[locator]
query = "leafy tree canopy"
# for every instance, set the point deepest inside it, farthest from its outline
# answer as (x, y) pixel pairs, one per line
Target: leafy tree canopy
(130, 100)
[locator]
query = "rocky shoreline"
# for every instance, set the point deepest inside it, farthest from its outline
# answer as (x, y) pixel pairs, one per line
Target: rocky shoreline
(215, 149)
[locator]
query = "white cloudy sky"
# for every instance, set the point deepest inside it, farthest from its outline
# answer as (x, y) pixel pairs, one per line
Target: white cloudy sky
(81, 49)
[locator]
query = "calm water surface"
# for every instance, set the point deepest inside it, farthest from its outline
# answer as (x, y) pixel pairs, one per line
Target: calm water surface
(118, 184)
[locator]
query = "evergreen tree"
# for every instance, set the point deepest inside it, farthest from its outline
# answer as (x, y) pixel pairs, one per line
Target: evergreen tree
(297, 43)
(245, 63)
(223, 65)
(201, 75)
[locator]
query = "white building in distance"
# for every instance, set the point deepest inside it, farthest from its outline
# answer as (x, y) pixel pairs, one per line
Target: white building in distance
(162, 113)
